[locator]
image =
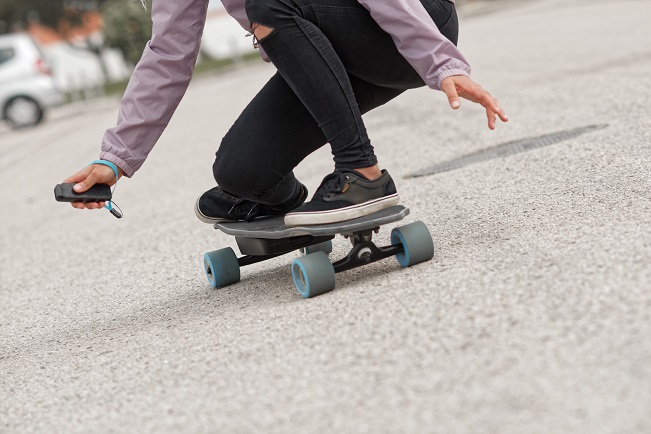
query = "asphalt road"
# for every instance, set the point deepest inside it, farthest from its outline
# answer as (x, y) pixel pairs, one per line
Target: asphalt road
(533, 317)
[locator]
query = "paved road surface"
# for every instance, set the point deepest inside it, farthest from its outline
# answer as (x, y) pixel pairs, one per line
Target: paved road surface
(533, 317)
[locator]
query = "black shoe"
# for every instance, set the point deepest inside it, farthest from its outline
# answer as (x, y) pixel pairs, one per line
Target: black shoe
(344, 195)
(217, 206)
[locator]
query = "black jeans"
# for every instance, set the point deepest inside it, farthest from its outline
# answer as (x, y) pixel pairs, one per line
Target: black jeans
(334, 64)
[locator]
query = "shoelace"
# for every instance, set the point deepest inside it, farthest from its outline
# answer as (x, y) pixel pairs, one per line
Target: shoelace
(239, 205)
(333, 183)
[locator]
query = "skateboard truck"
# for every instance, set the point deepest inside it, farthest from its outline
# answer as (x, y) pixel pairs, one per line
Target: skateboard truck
(365, 251)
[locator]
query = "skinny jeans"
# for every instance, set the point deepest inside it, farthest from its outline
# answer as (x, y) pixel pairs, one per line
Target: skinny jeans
(334, 63)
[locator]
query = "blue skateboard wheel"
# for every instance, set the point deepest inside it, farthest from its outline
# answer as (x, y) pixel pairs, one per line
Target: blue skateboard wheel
(416, 241)
(313, 274)
(221, 267)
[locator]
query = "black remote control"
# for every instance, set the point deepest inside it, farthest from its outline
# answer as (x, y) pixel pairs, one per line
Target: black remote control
(97, 193)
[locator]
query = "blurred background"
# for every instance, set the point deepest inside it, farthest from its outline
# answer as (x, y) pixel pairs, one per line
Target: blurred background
(89, 47)
(86, 49)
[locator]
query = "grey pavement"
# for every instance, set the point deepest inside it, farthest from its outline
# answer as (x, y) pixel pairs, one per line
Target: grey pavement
(533, 317)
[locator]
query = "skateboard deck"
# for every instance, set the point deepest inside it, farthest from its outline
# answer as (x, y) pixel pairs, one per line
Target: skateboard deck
(274, 227)
(314, 273)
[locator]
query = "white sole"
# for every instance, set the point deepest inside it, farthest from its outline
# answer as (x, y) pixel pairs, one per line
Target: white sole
(340, 214)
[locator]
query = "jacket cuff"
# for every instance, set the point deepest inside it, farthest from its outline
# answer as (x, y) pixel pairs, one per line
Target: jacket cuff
(448, 72)
(128, 170)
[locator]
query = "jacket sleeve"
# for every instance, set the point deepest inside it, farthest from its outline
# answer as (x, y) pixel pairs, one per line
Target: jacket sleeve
(157, 84)
(418, 39)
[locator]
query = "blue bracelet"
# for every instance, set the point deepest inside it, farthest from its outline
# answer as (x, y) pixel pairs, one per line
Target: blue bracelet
(109, 204)
(109, 164)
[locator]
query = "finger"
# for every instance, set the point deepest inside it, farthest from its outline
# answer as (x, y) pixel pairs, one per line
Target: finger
(86, 183)
(497, 110)
(92, 205)
(450, 89)
(502, 114)
(490, 114)
(82, 205)
(494, 105)
(491, 104)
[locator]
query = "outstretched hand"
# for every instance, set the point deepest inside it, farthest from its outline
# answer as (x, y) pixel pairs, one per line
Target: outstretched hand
(462, 86)
(89, 176)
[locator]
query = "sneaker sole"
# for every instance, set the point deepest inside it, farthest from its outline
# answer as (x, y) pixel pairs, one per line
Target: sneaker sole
(341, 214)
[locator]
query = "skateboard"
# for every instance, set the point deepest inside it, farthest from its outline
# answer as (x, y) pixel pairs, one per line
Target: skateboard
(314, 273)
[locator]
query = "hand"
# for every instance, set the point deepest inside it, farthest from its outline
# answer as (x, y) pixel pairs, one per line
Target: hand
(457, 86)
(89, 176)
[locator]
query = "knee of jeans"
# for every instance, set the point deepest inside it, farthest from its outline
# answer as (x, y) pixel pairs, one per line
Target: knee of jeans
(227, 177)
(240, 180)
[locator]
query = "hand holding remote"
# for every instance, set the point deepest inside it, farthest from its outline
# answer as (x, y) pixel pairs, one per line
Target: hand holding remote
(89, 176)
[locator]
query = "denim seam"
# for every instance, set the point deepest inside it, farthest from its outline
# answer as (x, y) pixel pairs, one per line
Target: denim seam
(297, 19)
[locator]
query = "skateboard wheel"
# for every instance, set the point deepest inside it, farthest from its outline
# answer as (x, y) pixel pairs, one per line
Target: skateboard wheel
(313, 274)
(325, 247)
(221, 267)
(416, 241)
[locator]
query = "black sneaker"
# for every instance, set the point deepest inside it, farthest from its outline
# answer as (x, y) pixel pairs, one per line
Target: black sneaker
(344, 195)
(217, 206)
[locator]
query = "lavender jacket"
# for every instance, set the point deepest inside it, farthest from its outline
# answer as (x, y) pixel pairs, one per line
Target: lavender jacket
(163, 73)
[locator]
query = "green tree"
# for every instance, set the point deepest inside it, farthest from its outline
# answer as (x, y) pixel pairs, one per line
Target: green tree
(126, 23)
(127, 27)
(16, 15)
(64, 16)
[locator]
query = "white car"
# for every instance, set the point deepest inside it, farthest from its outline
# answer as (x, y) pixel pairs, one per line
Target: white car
(27, 88)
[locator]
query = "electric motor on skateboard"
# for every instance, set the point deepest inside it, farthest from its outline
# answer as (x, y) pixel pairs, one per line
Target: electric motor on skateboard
(314, 272)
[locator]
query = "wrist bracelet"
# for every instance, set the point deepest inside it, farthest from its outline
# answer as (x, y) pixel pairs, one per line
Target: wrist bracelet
(109, 204)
